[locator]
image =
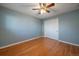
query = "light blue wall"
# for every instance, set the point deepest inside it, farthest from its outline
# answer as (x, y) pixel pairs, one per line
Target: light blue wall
(16, 27)
(69, 27)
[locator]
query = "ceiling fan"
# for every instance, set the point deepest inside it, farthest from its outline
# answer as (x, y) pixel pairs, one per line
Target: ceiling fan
(44, 7)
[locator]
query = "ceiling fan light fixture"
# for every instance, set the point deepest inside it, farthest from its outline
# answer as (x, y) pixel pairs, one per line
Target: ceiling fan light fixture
(42, 11)
(44, 7)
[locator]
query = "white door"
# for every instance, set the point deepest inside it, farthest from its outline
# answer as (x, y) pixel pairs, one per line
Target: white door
(51, 28)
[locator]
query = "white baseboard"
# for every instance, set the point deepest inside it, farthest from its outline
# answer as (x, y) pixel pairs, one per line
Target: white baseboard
(9, 45)
(64, 42)
(34, 39)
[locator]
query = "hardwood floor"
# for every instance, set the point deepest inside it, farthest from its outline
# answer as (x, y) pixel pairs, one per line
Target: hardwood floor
(41, 47)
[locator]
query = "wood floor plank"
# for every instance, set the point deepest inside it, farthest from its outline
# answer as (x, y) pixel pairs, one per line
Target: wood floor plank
(42, 46)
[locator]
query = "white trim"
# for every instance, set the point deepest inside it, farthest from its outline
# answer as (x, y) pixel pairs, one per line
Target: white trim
(64, 42)
(9, 45)
(34, 39)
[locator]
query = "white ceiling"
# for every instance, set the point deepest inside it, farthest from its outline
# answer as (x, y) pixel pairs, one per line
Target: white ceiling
(26, 8)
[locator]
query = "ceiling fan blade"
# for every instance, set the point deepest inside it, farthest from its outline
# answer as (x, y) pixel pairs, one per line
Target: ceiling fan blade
(44, 4)
(35, 9)
(47, 11)
(40, 4)
(50, 5)
(39, 12)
